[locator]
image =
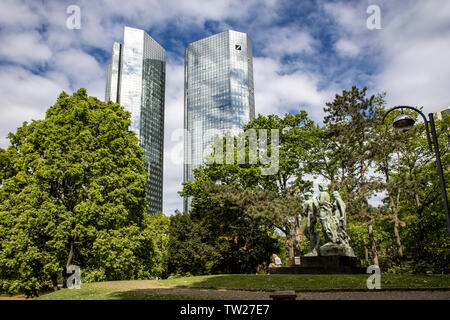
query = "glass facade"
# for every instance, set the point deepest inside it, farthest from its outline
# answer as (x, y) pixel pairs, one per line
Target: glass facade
(219, 93)
(136, 80)
(442, 113)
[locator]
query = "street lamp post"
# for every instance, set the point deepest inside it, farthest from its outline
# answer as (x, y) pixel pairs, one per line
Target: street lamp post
(404, 123)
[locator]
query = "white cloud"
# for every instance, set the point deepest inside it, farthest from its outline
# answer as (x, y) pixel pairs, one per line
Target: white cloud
(279, 42)
(347, 48)
(350, 17)
(25, 96)
(411, 49)
(416, 69)
(26, 48)
(16, 15)
(80, 67)
(279, 93)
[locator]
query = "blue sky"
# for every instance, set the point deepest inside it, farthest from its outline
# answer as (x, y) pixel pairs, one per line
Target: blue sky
(304, 53)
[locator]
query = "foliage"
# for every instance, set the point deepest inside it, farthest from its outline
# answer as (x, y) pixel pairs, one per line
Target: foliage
(349, 123)
(413, 204)
(218, 238)
(189, 250)
(73, 192)
(248, 206)
(363, 159)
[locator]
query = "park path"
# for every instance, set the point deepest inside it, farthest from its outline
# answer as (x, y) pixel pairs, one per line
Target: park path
(375, 295)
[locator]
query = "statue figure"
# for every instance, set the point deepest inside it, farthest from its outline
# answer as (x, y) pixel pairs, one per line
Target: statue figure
(310, 212)
(340, 214)
(328, 220)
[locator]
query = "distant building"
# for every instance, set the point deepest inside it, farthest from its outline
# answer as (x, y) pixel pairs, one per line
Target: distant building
(136, 80)
(441, 113)
(218, 93)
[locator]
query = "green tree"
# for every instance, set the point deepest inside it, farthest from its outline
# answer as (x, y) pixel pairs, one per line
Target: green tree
(221, 224)
(350, 121)
(191, 247)
(269, 200)
(73, 192)
(418, 200)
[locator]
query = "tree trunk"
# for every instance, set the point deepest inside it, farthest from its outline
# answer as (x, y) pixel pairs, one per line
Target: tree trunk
(290, 247)
(366, 253)
(55, 281)
(421, 235)
(298, 238)
(394, 206)
(372, 244)
(68, 263)
(396, 227)
(397, 240)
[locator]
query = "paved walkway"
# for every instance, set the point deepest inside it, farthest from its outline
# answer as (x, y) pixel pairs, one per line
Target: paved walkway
(375, 295)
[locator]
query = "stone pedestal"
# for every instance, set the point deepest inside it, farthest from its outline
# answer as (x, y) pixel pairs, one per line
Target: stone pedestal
(333, 249)
(332, 264)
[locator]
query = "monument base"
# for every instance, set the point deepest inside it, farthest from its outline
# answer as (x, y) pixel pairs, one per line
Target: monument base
(323, 265)
(333, 249)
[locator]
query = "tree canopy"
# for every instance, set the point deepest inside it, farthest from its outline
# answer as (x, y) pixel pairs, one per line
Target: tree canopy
(386, 178)
(73, 191)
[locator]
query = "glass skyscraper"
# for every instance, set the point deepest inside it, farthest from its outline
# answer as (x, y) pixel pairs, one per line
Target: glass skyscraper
(218, 93)
(136, 79)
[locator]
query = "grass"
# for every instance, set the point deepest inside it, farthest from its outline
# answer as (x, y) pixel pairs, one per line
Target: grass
(92, 292)
(316, 281)
(174, 288)
(117, 290)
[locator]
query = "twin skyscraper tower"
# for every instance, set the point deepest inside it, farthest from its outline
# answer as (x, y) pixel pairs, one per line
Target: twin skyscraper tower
(218, 96)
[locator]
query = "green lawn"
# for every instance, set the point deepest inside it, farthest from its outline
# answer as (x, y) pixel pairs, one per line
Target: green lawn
(170, 288)
(91, 291)
(322, 281)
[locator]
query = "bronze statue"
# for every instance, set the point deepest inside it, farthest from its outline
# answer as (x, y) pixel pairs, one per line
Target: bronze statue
(310, 212)
(329, 222)
(340, 214)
